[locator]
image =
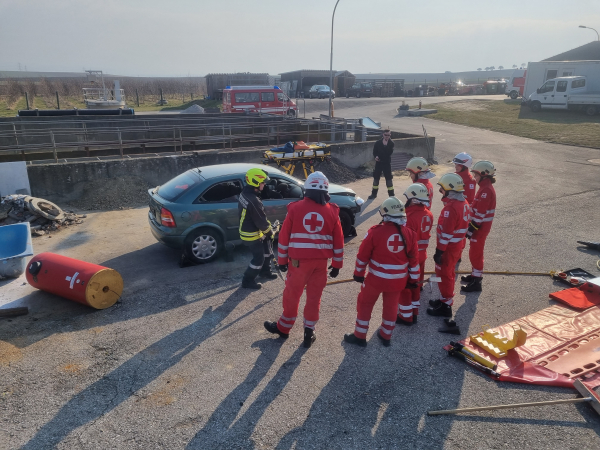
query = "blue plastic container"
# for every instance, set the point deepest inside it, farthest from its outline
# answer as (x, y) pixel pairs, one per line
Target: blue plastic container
(15, 247)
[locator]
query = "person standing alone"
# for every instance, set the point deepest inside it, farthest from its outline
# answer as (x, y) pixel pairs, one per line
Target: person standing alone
(382, 152)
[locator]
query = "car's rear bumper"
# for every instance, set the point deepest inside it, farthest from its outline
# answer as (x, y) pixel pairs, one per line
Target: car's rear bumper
(168, 240)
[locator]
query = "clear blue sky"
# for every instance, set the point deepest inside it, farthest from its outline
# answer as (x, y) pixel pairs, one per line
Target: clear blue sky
(195, 37)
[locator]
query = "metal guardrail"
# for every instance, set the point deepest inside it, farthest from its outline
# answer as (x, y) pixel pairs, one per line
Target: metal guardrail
(47, 143)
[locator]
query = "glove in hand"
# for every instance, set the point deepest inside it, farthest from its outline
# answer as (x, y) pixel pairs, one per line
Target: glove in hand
(411, 285)
(359, 279)
(283, 267)
(438, 256)
(334, 272)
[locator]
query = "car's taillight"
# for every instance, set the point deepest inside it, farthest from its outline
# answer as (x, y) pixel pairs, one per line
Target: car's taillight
(166, 218)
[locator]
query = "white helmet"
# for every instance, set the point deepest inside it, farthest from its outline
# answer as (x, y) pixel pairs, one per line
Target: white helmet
(418, 191)
(392, 206)
(484, 168)
(317, 181)
(463, 159)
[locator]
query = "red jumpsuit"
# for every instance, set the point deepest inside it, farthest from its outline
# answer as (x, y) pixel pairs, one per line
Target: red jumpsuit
(392, 258)
(419, 220)
(469, 192)
(451, 230)
(311, 234)
(482, 215)
(425, 182)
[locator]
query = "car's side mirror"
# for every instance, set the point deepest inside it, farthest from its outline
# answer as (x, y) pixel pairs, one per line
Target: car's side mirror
(539, 91)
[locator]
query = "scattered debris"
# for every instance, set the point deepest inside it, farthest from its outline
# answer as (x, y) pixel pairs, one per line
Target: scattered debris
(13, 312)
(337, 172)
(42, 215)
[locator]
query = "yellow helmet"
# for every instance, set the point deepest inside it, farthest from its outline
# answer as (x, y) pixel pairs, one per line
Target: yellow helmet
(418, 191)
(392, 206)
(484, 168)
(417, 164)
(452, 182)
(256, 176)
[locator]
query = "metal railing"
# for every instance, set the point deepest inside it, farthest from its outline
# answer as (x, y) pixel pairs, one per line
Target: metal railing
(62, 143)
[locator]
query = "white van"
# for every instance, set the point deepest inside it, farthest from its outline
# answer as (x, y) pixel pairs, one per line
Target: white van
(565, 93)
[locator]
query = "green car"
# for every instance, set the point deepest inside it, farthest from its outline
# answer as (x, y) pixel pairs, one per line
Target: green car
(197, 211)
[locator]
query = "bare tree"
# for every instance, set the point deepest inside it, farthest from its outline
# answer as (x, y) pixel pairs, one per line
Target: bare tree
(479, 69)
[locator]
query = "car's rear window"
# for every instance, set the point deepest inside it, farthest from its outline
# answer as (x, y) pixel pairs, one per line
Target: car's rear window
(174, 188)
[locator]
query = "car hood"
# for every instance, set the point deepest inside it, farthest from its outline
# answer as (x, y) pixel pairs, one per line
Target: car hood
(336, 189)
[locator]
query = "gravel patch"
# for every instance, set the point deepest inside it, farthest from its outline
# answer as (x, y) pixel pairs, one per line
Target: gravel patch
(114, 193)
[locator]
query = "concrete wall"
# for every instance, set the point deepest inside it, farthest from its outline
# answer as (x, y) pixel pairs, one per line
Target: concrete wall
(66, 181)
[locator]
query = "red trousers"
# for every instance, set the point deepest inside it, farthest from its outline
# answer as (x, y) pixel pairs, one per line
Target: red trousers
(476, 254)
(312, 274)
(369, 293)
(446, 271)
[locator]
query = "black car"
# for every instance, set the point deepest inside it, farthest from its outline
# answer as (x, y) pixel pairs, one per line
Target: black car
(360, 90)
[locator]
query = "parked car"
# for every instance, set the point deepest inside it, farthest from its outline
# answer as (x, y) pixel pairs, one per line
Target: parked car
(360, 90)
(565, 93)
(197, 211)
(320, 91)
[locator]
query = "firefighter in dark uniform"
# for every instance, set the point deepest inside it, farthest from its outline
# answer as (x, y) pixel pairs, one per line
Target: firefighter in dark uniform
(255, 229)
(382, 152)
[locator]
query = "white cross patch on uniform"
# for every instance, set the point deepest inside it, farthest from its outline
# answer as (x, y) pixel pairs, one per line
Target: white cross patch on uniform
(472, 186)
(484, 195)
(394, 243)
(313, 222)
(446, 213)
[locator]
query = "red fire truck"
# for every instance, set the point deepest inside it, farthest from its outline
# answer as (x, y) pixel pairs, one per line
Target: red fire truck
(258, 99)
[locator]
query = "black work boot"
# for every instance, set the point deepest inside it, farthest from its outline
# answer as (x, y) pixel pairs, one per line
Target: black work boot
(466, 278)
(441, 310)
(435, 303)
(401, 321)
(351, 338)
(373, 194)
(309, 337)
(473, 286)
(450, 327)
(415, 318)
(250, 283)
(384, 341)
(390, 192)
(271, 327)
(267, 274)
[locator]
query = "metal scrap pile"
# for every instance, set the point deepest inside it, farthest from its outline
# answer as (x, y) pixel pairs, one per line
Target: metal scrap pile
(42, 215)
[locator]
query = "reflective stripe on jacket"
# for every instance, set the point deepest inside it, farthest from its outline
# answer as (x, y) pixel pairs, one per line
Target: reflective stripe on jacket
(420, 220)
(484, 206)
(390, 263)
(311, 231)
(253, 219)
(452, 224)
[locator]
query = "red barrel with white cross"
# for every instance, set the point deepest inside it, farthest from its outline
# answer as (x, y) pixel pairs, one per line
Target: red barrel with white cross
(75, 280)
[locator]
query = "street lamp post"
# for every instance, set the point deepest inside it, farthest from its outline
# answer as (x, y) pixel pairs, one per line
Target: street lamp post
(580, 26)
(331, 60)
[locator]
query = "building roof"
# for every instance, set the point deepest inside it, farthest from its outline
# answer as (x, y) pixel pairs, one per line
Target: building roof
(587, 52)
(309, 73)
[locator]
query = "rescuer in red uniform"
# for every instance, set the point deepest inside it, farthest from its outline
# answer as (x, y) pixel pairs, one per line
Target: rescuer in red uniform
(462, 163)
(420, 220)
(310, 235)
(419, 172)
(390, 250)
(451, 230)
(482, 215)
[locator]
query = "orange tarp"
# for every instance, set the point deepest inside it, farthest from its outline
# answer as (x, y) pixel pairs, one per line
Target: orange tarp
(552, 333)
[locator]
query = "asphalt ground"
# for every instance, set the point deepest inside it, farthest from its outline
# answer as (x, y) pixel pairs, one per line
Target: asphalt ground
(183, 361)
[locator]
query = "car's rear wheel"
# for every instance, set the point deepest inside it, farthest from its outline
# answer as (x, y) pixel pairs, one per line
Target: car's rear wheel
(346, 221)
(203, 245)
(358, 95)
(291, 113)
(590, 110)
(514, 95)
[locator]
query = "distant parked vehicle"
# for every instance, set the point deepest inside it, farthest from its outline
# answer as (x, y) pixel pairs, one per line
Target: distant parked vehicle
(494, 87)
(565, 93)
(197, 211)
(320, 91)
(516, 85)
(260, 99)
(359, 90)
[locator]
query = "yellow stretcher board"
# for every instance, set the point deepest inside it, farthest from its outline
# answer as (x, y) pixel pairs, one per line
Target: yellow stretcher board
(303, 154)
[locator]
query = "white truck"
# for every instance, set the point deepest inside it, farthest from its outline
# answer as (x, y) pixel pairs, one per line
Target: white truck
(540, 72)
(565, 93)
